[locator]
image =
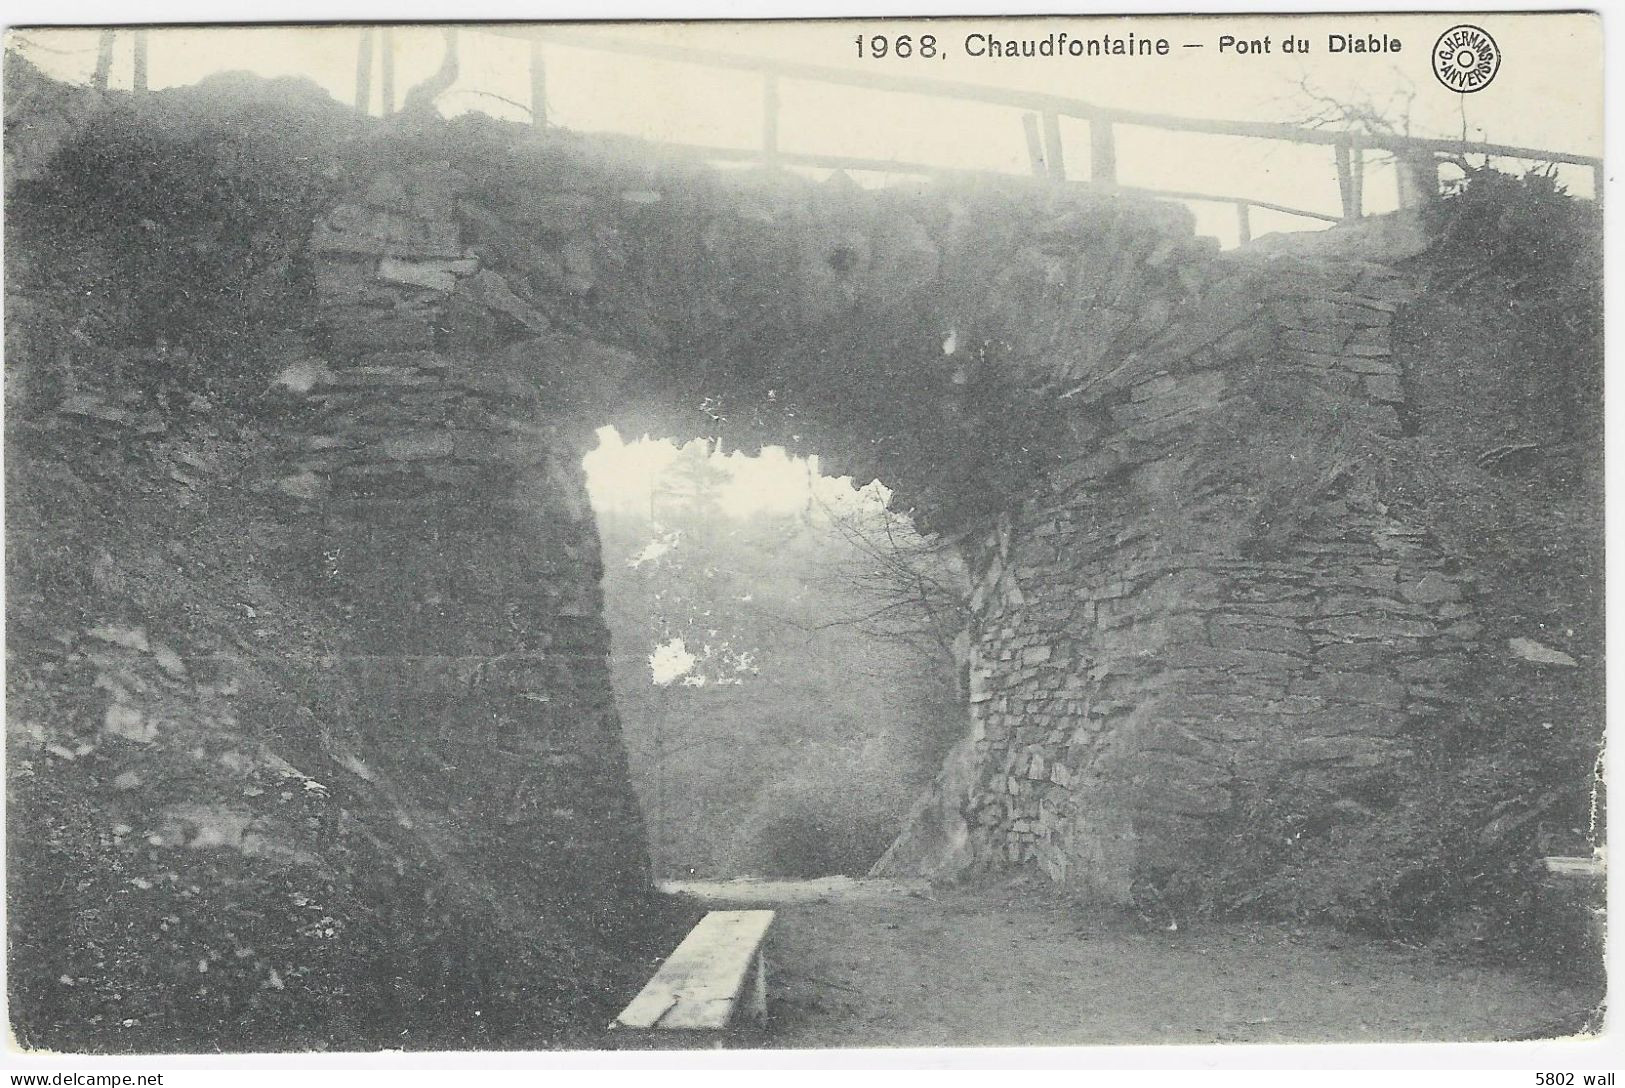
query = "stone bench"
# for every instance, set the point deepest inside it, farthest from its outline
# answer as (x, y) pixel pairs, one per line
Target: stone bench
(714, 981)
(1588, 872)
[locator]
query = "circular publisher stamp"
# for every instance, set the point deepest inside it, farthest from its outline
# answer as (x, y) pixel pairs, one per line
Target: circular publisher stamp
(1466, 58)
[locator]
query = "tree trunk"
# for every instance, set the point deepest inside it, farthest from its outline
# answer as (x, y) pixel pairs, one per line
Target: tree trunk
(421, 98)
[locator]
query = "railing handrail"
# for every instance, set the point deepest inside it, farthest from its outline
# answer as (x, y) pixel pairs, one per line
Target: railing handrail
(903, 166)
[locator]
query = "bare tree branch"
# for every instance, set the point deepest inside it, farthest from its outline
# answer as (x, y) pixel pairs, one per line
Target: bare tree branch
(907, 579)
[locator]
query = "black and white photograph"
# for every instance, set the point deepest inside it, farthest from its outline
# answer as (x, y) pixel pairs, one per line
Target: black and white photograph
(895, 534)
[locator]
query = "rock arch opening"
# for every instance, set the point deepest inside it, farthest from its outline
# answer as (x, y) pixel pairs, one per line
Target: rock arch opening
(786, 656)
(1153, 460)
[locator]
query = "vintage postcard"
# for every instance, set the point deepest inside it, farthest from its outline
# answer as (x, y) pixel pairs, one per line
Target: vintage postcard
(1059, 531)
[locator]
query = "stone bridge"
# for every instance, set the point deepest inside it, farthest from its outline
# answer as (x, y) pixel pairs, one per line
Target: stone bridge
(1160, 462)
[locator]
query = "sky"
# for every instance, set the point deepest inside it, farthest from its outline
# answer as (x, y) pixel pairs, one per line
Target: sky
(622, 474)
(1547, 93)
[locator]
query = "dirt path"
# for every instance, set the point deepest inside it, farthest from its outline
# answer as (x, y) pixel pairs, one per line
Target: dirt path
(888, 963)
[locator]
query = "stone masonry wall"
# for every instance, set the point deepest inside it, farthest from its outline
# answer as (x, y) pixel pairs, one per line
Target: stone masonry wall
(1211, 597)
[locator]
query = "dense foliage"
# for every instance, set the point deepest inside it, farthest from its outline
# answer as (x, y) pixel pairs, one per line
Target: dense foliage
(177, 224)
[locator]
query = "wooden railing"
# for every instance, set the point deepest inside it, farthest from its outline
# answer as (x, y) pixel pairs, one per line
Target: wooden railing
(1417, 159)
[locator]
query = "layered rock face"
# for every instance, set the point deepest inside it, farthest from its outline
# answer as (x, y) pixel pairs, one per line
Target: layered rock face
(311, 741)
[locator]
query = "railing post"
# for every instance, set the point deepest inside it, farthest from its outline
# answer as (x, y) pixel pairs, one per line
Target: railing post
(1598, 183)
(538, 86)
(363, 73)
(1418, 178)
(1357, 178)
(1345, 179)
(1035, 147)
(386, 71)
(104, 60)
(1102, 152)
(138, 61)
(770, 119)
(1052, 147)
(1244, 221)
